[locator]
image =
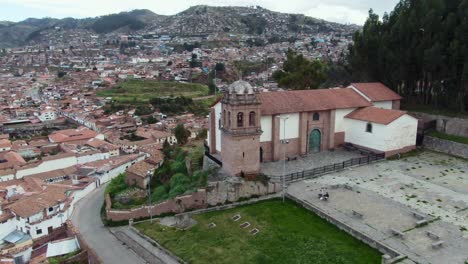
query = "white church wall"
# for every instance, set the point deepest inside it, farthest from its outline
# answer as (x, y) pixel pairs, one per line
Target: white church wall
(355, 133)
(401, 133)
(292, 127)
(217, 108)
(383, 104)
(217, 112)
(266, 125)
(339, 118)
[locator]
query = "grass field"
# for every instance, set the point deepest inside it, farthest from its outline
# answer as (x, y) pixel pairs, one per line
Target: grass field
(288, 234)
(144, 90)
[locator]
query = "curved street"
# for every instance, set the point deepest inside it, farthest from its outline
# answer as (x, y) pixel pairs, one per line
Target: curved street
(87, 220)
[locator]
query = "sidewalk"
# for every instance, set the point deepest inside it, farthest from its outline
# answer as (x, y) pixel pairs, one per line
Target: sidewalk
(141, 247)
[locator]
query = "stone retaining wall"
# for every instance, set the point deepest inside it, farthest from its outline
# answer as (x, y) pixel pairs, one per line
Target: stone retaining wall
(235, 188)
(446, 146)
(449, 125)
(216, 193)
(179, 204)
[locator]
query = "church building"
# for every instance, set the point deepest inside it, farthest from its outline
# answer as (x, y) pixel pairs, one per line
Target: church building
(248, 127)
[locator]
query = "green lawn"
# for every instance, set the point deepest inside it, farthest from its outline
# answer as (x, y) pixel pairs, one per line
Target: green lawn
(143, 90)
(288, 234)
(441, 135)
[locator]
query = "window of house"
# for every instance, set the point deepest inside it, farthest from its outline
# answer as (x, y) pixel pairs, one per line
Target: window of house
(39, 231)
(316, 117)
(369, 128)
(51, 209)
(252, 118)
(240, 119)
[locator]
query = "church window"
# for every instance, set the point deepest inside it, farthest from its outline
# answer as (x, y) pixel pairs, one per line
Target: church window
(240, 119)
(229, 119)
(369, 128)
(252, 118)
(316, 117)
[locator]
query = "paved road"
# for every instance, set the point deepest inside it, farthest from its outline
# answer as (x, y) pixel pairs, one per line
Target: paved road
(86, 218)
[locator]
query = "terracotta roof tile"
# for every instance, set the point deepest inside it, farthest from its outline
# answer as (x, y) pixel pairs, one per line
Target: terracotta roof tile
(141, 168)
(310, 100)
(376, 91)
(376, 115)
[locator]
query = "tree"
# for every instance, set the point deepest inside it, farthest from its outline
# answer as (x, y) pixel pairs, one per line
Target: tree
(219, 67)
(420, 50)
(299, 73)
(181, 134)
(60, 74)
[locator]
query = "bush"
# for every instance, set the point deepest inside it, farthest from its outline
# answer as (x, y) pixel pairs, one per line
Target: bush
(179, 179)
(159, 194)
(116, 185)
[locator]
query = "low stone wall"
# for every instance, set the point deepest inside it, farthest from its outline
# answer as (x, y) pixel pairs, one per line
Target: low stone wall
(446, 146)
(228, 191)
(235, 188)
(391, 255)
(449, 125)
(179, 204)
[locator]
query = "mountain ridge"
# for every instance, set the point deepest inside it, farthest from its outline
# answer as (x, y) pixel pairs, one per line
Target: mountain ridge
(194, 20)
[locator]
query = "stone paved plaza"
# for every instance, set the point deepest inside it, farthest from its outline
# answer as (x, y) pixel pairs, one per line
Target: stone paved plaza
(388, 192)
(308, 162)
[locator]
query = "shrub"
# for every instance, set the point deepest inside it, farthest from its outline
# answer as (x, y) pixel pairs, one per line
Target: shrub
(116, 185)
(159, 194)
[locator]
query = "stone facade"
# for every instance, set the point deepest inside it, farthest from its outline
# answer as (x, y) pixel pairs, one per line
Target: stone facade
(235, 188)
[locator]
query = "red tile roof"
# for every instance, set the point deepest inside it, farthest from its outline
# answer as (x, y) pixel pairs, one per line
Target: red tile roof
(376, 115)
(310, 100)
(141, 169)
(68, 135)
(376, 91)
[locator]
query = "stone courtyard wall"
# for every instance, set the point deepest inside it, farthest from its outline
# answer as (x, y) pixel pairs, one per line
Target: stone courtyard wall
(235, 189)
(449, 125)
(446, 146)
(216, 193)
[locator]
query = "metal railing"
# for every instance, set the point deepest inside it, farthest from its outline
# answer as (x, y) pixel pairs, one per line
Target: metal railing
(315, 172)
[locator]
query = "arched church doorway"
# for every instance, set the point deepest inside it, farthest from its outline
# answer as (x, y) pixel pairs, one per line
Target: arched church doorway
(315, 140)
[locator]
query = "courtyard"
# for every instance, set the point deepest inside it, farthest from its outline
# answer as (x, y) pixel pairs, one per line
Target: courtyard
(286, 232)
(307, 162)
(417, 205)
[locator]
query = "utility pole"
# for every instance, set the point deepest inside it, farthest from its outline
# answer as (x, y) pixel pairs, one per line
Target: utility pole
(149, 199)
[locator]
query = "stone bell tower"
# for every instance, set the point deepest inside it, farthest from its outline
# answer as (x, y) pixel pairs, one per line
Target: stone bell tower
(240, 132)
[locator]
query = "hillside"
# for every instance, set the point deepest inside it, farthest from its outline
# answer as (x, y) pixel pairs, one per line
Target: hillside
(195, 20)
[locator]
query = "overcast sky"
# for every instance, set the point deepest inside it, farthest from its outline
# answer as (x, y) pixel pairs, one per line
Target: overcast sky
(342, 11)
